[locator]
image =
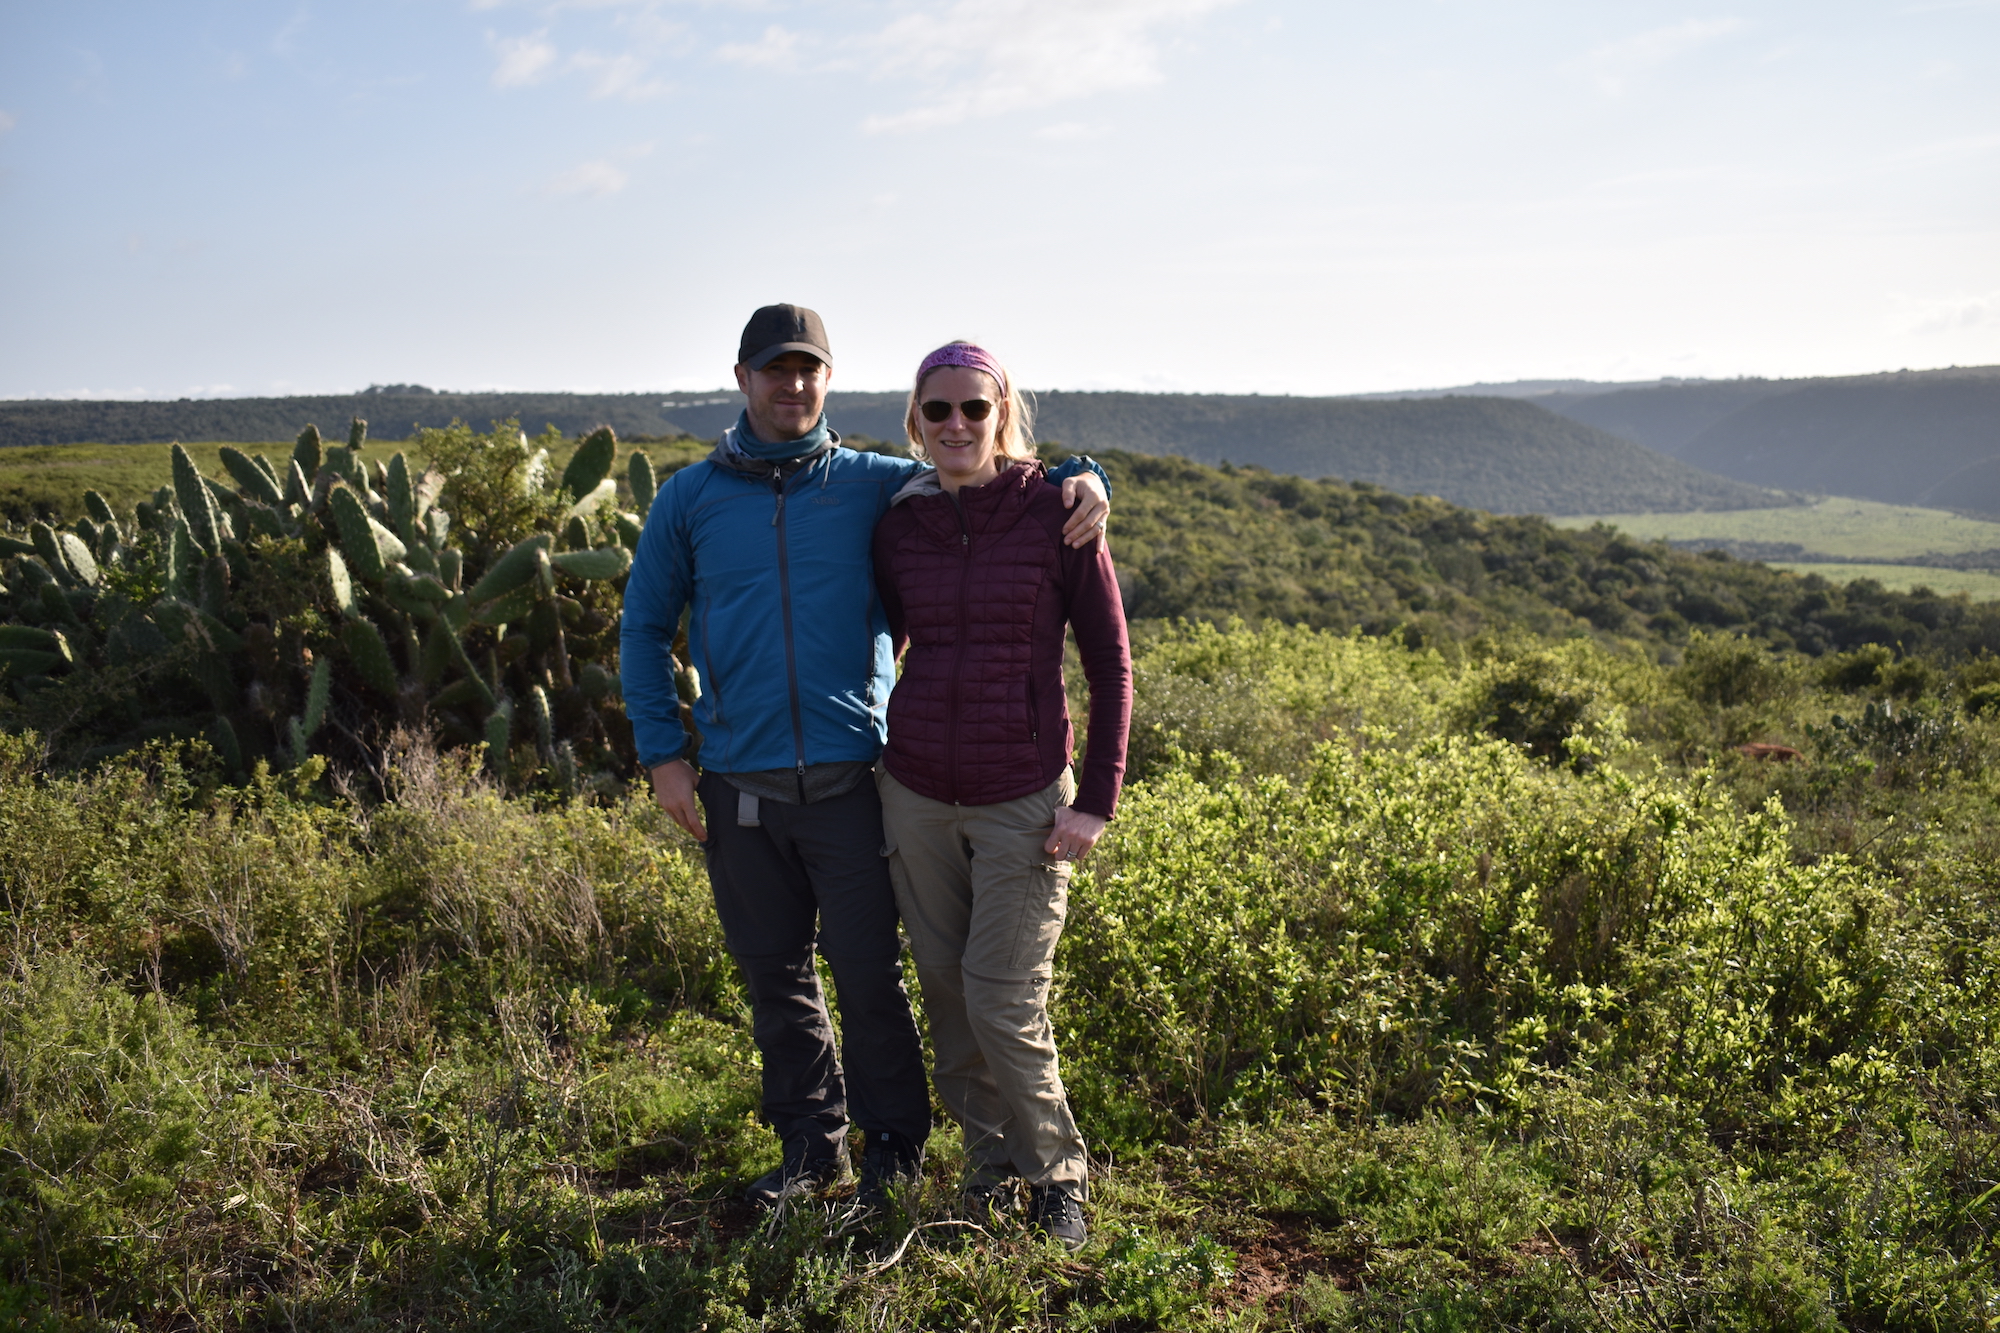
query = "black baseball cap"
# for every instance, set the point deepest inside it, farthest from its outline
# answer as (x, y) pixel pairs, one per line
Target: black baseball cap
(777, 329)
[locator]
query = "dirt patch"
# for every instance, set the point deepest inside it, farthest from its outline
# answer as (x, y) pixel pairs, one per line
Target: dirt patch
(1269, 1268)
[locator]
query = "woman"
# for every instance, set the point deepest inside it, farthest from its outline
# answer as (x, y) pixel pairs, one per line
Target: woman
(982, 814)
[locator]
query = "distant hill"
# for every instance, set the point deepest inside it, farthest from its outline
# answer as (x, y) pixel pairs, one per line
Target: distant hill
(1667, 417)
(392, 414)
(1929, 437)
(1499, 454)
(1906, 441)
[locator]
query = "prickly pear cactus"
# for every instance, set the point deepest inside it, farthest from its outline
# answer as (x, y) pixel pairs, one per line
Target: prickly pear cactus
(310, 605)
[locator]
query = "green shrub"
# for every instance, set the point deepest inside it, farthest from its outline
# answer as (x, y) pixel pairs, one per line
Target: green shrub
(1726, 671)
(1451, 926)
(109, 1110)
(1858, 670)
(1268, 696)
(1555, 703)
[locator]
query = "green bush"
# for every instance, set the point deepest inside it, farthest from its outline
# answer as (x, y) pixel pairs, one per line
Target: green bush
(1726, 671)
(1454, 926)
(1555, 703)
(112, 1112)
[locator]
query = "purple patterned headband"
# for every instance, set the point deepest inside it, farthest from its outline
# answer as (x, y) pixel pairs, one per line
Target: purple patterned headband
(969, 355)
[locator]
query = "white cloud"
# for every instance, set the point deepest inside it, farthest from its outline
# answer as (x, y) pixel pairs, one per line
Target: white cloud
(592, 178)
(1612, 66)
(776, 49)
(643, 36)
(285, 41)
(523, 60)
(987, 57)
(6, 122)
(1067, 130)
(623, 76)
(1953, 314)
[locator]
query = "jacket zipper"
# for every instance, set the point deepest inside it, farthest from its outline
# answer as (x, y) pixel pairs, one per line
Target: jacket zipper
(791, 655)
(958, 658)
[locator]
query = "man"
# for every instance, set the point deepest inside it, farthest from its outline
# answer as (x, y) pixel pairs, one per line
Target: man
(767, 542)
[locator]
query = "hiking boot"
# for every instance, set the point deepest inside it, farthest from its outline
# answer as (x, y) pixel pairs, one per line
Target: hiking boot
(1054, 1211)
(889, 1159)
(987, 1198)
(798, 1174)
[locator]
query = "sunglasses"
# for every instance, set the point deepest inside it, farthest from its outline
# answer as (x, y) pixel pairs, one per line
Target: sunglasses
(975, 409)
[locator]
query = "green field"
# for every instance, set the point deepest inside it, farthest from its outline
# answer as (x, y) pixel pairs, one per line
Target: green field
(49, 481)
(1982, 585)
(1858, 530)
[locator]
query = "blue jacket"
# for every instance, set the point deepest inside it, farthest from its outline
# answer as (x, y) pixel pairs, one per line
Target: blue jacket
(786, 635)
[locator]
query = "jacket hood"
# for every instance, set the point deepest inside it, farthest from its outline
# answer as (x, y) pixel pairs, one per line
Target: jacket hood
(1015, 476)
(923, 482)
(989, 508)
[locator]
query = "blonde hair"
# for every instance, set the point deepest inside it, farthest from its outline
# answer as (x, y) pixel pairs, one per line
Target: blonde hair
(1013, 434)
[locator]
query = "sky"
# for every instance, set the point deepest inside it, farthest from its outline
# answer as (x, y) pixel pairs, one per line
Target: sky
(224, 197)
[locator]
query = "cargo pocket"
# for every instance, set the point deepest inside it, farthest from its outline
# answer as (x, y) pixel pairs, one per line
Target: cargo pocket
(1044, 908)
(899, 878)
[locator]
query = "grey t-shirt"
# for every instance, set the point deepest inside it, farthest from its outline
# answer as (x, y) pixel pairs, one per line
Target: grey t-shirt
(821, 782)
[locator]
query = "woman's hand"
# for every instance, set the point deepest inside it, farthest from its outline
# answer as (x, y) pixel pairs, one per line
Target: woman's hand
(1084, 493)
(1075, 834)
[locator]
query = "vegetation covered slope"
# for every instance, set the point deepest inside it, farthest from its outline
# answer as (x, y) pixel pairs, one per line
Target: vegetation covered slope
(1403, 993)
(1921, 441)
(470, 587)
(1493, 453)
(1497, 454)
(393, 413)
(1667, 417)
(1494, 973)
(367, 593)
(1208, 543)
(1923, 438)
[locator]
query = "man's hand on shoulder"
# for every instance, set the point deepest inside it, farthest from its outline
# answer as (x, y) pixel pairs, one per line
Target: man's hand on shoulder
(673, 788)
(1093, 512)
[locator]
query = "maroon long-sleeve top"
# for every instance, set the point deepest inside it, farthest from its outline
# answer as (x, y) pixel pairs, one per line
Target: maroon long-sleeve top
(980, 588)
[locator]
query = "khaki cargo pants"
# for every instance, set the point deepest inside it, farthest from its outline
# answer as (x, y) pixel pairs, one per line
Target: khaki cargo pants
(984, 906)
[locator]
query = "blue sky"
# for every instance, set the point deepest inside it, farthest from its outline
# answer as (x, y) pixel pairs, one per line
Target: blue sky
(1228, 195)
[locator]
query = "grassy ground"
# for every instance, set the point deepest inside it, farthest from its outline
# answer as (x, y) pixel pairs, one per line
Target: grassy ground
(1856, 530)
(44, 482)
(41, 482)
(1528, 1002)
(1981, 585)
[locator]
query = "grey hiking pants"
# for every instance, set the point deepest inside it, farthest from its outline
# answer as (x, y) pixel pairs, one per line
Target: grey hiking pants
(984, 905)
(812, 875)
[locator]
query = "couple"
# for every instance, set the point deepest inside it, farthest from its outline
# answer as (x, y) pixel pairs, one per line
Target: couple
(799, 565)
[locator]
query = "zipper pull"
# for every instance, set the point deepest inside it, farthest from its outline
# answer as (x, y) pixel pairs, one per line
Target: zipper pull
(778, 489)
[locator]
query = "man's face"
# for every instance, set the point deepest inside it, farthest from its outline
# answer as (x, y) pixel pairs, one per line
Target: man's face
(786, 396)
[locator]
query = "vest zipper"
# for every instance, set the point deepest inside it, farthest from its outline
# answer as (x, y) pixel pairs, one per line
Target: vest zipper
(791, 653)
(958, 658)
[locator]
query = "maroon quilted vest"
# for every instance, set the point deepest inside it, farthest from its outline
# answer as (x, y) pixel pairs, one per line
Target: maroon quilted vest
(982, 587)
